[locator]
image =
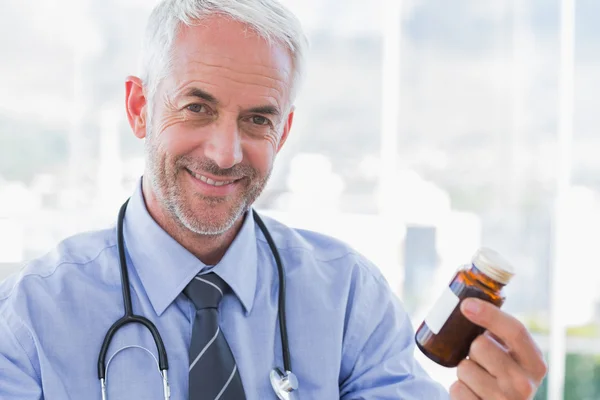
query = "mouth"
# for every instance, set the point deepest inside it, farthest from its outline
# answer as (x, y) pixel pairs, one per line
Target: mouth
(211, 181)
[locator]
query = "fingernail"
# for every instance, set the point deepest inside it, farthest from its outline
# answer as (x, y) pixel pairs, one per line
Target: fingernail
(471, 306)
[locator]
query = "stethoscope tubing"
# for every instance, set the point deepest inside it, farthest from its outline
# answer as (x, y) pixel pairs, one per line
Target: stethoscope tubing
(129, 317)
(287, 362)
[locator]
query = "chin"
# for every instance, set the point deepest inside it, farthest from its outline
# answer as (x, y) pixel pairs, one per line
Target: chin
(209, 218)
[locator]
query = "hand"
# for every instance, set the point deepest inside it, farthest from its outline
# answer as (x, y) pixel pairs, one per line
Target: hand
(504, 363)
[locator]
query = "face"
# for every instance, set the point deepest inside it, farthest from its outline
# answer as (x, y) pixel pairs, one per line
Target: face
(218, 120)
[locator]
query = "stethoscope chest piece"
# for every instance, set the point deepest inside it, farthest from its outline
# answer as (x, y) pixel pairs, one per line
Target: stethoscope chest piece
(284, 384)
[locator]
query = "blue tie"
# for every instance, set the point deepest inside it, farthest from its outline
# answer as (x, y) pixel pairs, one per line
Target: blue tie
(213, 372)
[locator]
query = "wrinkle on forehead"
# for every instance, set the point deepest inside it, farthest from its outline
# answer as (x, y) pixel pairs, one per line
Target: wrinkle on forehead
(275, 82)
(222, 52)
(242, 77)
(212, 60)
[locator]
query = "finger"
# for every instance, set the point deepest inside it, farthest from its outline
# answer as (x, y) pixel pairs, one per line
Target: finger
(496, 339)
(490, 355)
(477, 379)
(510, 331)
(511, 378)
(460, 391)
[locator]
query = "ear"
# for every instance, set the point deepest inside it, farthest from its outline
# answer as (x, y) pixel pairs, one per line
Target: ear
(286, 128)
(136, 104)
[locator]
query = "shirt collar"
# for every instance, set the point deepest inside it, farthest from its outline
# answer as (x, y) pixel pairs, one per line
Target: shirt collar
(165, 267)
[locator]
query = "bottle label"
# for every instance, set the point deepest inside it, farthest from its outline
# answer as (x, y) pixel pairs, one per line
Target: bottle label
(441, 310)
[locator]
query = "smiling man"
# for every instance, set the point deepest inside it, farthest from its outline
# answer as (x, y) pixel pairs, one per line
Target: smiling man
(215, 106)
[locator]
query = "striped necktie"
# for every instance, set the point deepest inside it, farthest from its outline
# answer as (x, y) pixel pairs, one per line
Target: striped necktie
(213, 372)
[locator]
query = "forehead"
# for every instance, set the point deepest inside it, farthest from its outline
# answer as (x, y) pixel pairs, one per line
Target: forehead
(228, 54)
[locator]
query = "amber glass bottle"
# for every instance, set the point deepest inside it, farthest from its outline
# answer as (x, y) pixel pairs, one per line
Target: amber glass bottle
(446, 335)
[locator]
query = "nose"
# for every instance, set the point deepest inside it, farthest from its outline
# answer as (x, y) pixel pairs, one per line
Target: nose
(224, 145)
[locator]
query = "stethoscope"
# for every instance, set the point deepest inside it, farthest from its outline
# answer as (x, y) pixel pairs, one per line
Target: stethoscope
(284, 382)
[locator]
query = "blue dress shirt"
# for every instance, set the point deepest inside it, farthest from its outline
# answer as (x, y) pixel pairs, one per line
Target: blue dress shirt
(349, 336)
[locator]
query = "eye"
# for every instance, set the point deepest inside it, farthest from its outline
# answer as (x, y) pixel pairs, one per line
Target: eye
(196, 108)
(260, 120)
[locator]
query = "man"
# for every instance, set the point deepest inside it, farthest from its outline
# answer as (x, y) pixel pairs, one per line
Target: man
(215, 106)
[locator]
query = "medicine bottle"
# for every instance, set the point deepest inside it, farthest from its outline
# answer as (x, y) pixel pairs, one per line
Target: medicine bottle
(446, 334)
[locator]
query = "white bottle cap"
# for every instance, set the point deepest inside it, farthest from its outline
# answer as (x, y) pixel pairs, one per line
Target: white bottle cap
(492, 264)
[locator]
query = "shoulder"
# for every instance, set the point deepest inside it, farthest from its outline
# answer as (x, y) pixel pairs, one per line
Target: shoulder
(309, 249)
(50, 272)
(39, 294)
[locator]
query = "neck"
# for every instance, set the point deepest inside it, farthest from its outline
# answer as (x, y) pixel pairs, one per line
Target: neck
(209, 249)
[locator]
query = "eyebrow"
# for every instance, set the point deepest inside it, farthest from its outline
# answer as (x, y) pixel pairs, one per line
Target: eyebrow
(267, 110)
(201, 94)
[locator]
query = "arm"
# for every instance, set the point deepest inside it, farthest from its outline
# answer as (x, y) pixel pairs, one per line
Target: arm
(18, 378)
(378, 361)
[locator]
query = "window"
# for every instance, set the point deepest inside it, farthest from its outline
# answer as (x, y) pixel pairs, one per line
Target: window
(473, 121)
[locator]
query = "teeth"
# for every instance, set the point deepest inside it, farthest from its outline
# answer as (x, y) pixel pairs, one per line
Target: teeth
(210, 181)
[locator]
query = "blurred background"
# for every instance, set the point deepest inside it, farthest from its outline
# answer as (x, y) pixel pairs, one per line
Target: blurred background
(425, 129)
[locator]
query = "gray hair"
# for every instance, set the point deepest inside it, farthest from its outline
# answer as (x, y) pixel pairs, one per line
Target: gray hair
(268, 18)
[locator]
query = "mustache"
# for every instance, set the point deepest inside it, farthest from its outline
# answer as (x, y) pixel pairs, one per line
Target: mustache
(207, 165)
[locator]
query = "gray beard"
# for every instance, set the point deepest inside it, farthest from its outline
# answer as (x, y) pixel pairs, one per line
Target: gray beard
(171, 199)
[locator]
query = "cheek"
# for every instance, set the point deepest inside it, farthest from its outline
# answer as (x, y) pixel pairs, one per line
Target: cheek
(261, 154)
(159, 155)
(273, 138)
(174, 135)
(165, 150)
(167, 121)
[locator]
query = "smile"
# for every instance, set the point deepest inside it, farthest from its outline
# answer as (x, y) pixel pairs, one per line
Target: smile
(210, 181)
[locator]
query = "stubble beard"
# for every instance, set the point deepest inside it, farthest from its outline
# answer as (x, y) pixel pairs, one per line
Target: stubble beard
(171, 196)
